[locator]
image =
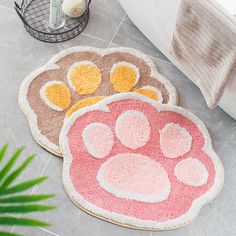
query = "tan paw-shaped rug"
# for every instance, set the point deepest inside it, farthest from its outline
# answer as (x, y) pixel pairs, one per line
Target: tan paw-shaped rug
(140, 164)
(82, 76)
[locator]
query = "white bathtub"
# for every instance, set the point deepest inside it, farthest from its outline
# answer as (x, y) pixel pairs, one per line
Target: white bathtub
(152, 16)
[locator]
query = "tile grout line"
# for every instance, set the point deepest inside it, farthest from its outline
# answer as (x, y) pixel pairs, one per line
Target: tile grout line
(115, 45)
(156, 58)
(59, 47)
(159, 59)
(48, 231)
(117, 30)
(103, 40)
(44, 168)
(88, 35)
(91, 36)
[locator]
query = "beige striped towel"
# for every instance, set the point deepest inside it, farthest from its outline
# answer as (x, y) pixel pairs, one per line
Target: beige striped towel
(204, 45)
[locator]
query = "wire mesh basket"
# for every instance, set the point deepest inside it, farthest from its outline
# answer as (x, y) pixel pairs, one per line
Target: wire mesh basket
(35, 17)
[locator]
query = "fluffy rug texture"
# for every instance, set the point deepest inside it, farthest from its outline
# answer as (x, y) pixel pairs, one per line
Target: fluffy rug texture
(82, 76)
(137, 163)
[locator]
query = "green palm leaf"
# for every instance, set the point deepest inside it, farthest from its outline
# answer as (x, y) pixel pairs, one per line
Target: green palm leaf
(24, 209)
(22, 221)
(25, 199)
(3, 151)
(19, 204)
(23, 186)
(10, 163)
(8, 234)
(16, 173)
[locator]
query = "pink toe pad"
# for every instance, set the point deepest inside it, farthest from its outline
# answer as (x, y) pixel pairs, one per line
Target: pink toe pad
(175, 140)
(132, 129)
(98, 139)
(191, 171)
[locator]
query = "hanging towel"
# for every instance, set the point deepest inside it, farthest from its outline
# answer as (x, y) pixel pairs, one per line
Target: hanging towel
(204, 46)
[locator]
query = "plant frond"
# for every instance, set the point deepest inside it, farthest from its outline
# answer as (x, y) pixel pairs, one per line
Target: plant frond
(22, 221)
(13, 203)
(22, 186)
(10, 163)
(24, 209)
(8, 234)
(17, 172)
(3, 151)
(26, 198)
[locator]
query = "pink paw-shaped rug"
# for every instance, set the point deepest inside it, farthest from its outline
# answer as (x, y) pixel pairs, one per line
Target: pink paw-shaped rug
(140, 164)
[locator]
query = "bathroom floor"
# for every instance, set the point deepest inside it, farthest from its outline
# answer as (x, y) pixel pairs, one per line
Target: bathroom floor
(108, 27)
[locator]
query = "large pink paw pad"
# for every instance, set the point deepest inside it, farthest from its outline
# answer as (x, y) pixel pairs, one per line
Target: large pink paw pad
(138, 163)
(134, 176)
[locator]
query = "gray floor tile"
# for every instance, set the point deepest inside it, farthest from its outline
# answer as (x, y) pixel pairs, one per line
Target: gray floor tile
(19, 51)
(8, 3)
(20, 54)
(105, 17)
(29, 231)
(66, 209)
(5, 228)
(129, 35)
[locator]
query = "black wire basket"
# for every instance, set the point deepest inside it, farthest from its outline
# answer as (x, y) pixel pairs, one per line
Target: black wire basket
(35, 17)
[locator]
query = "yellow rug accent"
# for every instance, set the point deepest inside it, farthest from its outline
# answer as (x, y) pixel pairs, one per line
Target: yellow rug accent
(86, 79)
(148, 92)
(84, 103)
(123, 78)
(59, 95)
